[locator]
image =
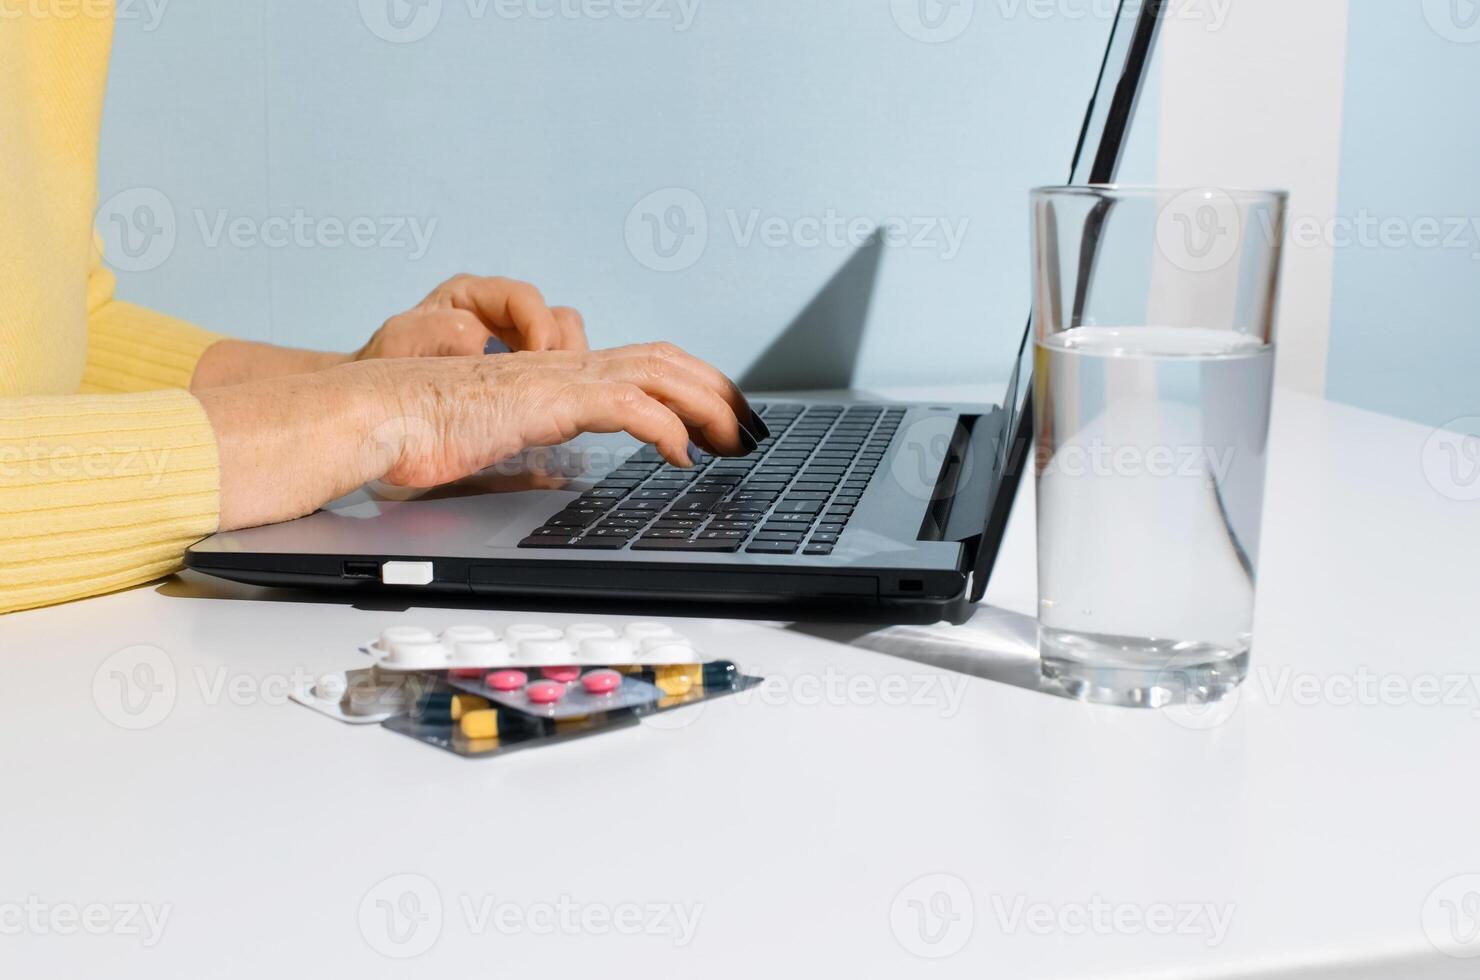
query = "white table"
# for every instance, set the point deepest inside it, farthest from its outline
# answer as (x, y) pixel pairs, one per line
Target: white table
(1316, 831)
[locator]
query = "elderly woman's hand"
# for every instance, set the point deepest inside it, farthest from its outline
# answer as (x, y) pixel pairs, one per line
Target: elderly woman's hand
(289, 445)
(463, 314)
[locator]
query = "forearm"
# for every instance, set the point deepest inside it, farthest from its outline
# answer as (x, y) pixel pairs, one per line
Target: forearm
(289, 445)
(235, 362)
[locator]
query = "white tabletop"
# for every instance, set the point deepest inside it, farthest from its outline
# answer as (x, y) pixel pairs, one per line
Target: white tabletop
(861, 815)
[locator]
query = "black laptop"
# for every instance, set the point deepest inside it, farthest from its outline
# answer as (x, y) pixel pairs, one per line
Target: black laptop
(847, 501)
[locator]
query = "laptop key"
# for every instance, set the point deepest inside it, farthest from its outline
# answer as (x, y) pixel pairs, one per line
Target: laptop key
(790, 506)
(793, 536)
(611, 532)
(818, 549)
(543, 541)
(738, 507)
(772, 547)
(575, 518)
(666, 533)
(608, 543)
(679, 523)
(694, 504)
(662, 544)
(635, 523)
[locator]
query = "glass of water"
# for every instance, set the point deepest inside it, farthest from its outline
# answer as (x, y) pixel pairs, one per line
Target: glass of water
(1153, 365)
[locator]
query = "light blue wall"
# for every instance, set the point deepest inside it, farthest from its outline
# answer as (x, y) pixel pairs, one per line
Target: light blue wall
(528, 142)
(1405, 333)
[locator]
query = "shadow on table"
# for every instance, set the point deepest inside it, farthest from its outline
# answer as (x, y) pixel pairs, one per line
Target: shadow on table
(981, 641)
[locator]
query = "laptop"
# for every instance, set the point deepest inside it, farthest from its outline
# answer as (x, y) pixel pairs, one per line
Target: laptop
(847, 501)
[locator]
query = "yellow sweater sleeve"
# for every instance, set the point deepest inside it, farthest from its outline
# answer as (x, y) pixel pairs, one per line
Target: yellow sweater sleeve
(108, 467)
(130, 348)
(99, 492)
(107, 488)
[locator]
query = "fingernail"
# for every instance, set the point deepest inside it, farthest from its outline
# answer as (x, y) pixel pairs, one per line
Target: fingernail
(758, 426)
(495, 346)
(748, 440)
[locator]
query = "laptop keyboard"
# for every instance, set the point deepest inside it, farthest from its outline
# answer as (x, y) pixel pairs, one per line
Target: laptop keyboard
(795, 493)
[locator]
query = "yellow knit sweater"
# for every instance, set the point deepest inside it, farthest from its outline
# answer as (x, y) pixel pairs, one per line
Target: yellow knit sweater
(108, 467)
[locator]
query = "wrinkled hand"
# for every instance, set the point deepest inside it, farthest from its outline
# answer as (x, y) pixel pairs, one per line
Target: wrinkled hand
(451, 417)
(463, 314)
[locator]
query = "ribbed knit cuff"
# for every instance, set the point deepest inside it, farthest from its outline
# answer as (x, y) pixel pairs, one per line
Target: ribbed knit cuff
(99, 492)
(130, 348)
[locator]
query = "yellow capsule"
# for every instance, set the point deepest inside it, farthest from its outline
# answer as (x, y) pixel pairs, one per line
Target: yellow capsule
(676, 680)
(480, 724)
(463, 704)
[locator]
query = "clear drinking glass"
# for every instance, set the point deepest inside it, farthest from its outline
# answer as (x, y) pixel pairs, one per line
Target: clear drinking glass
(1153, 365)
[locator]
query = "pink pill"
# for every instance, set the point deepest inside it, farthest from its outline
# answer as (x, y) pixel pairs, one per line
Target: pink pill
(562, 674)
(601, 681)
(507, 680)
(545, 692)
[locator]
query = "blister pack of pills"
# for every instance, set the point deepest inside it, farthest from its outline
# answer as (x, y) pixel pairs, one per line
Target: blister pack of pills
(477, 691)
(367, 696)
(559, 692)
(473, 726)
(525, 645)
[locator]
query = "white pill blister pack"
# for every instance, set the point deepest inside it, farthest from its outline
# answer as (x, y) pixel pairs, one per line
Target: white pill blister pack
(366, 696)
(410, 648)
